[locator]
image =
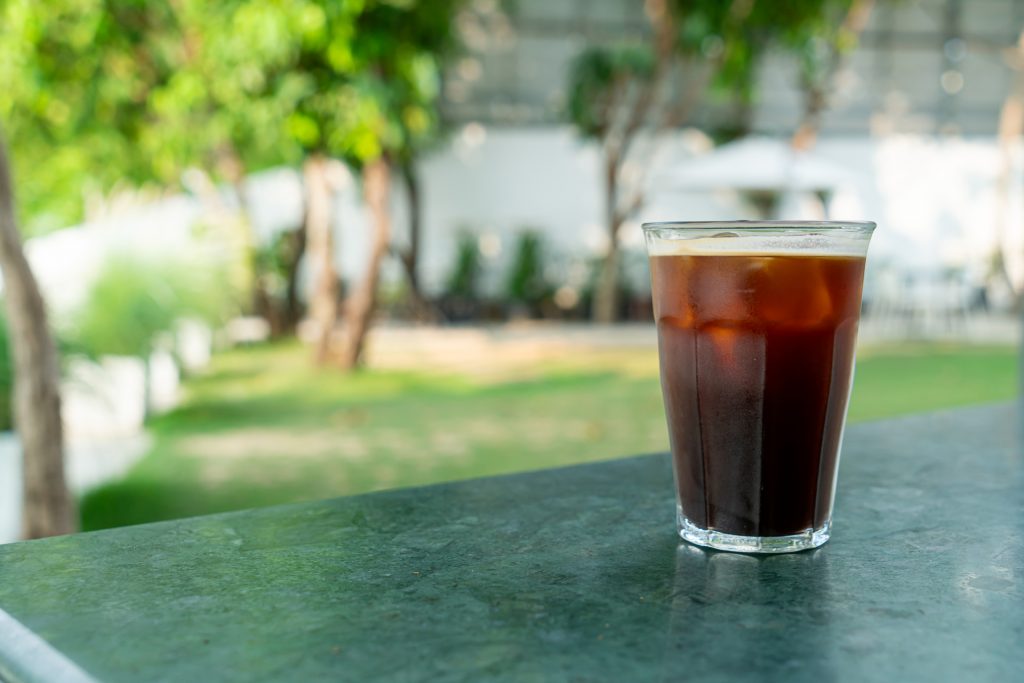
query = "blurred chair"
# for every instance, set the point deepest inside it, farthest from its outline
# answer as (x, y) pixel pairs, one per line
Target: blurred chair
(920, 303)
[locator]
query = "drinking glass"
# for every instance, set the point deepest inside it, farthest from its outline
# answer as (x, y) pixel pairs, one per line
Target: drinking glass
(757, 323)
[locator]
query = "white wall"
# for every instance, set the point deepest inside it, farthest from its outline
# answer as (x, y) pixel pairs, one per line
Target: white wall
(499, 182)
(933, 198)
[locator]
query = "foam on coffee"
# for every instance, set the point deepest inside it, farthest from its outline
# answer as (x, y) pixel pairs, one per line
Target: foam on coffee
(727, 243)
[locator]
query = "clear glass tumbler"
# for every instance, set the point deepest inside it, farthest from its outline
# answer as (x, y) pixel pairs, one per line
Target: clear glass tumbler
(757, 323)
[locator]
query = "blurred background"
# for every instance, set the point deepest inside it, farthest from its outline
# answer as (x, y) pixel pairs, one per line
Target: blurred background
(305, 249)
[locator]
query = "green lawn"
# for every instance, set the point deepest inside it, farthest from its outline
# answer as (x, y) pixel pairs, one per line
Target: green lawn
(263, 427)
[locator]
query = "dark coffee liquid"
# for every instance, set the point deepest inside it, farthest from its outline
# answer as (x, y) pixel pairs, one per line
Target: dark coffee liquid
(756, 359)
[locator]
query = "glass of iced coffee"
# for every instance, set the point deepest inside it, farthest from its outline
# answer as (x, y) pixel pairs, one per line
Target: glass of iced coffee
(757, 323)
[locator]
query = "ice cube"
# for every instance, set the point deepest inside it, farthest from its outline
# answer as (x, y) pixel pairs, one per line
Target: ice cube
(790, 291)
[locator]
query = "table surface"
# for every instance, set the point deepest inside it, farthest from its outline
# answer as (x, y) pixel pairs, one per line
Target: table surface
(571, 574)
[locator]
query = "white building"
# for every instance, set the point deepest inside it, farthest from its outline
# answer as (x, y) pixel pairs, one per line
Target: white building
(913, 119)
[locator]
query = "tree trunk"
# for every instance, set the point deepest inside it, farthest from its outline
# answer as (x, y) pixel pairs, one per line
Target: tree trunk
(48, 508)
(606, 293)
(806, 135)
(606, 290)
(232, 168)
(816, 91)
(323, 303)
(617, 146)
(410, 258)
(360, 308)
(1011, 127)
(292, 305)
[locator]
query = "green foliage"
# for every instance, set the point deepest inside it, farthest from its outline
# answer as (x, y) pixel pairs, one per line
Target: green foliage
(464, 279)
(526, 281)
(394, 61)
(132, 302)
(731, 37)
(76, 76)
(597, 78)
(100, 92)
(808, 29)
(273, 82)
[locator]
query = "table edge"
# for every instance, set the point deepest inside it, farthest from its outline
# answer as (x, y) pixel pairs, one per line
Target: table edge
(27, 658)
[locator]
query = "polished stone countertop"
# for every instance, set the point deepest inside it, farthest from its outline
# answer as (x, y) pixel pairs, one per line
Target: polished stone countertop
(562, 575)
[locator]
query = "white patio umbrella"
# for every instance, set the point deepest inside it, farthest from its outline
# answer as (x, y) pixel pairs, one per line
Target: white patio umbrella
(761, 168)
(758, 163)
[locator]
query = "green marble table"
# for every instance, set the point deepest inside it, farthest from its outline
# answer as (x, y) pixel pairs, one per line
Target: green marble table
(563, 575)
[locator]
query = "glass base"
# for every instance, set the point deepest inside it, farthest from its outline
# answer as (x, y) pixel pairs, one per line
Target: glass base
(708, 538)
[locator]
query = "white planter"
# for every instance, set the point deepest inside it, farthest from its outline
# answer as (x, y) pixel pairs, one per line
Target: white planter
(87, 464)
(164, 382)
(247, 330)
(10, 487)
(193, 344)
(108, 399)
(105, 399)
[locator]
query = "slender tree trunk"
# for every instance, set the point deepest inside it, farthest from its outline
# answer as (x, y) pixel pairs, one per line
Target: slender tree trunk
(816, 93)
(606, 291)
(422, 309)
(1011, 127)
(292, 305)
(361, 306)
(323, 302)
(617, 148)
(48, 508)
(233, 169)
(259, 298)
(606, 295)
(806, 135)
(410, 258)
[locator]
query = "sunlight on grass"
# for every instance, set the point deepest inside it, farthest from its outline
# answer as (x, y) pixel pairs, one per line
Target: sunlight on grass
(264, 427)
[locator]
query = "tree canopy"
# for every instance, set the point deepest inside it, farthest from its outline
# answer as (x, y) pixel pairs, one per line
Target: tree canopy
(77, 77)
(730, 37)
(109, 91)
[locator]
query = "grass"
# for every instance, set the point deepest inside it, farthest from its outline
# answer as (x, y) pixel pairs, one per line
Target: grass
(263, 427)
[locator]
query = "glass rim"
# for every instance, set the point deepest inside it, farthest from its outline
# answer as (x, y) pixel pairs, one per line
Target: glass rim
(857, 226)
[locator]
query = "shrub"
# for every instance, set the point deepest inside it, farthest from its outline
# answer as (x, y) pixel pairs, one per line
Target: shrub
(465, 276)
(527, 284)
(134, 300)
